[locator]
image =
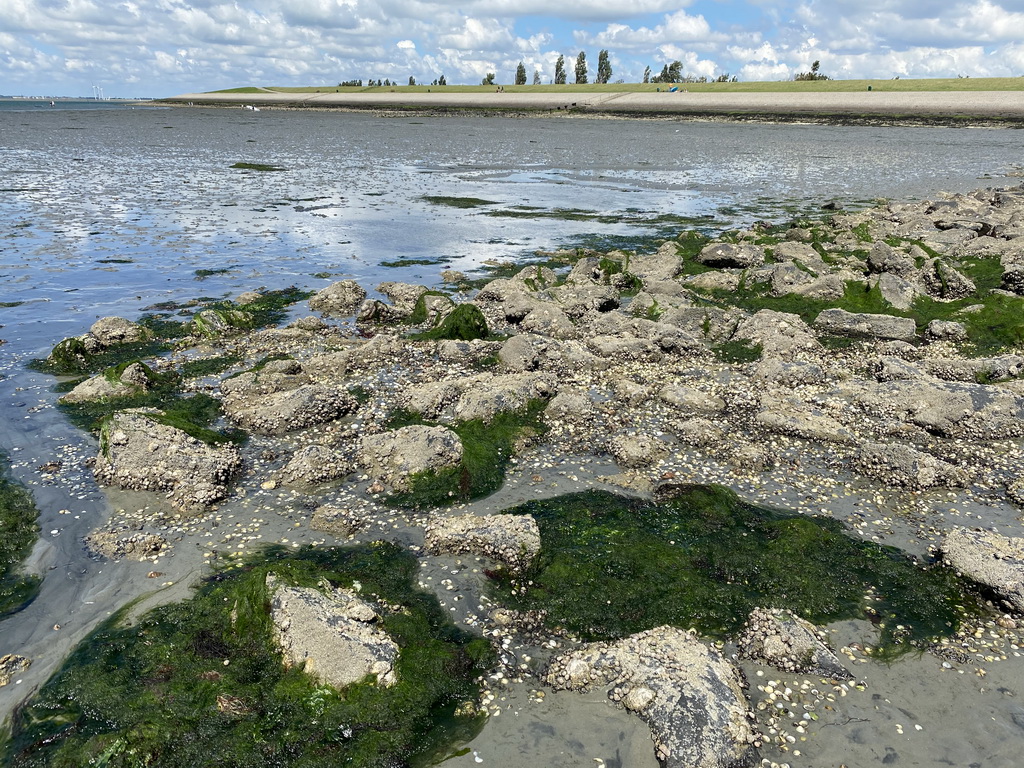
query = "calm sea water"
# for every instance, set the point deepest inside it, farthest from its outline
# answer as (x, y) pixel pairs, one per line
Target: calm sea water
(108, 209)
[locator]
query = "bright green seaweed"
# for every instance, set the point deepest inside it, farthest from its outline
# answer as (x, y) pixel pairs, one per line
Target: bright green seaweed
(18, 532)
(610, 566)
(199, 684)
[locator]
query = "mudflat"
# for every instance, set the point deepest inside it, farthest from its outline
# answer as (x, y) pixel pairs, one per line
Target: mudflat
(985, 105)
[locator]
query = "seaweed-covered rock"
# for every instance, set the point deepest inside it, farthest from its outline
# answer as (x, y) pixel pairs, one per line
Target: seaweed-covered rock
(785, 641)
(510, 539)
(281, 412)
(333, 636)
(313, 465)
(110, 331)
(130, 380)
(841, 322)
(340, 298)
(140, 452)
(214, 323)
(394, 457)
(905, 466)
(990, 559)
(689, 694)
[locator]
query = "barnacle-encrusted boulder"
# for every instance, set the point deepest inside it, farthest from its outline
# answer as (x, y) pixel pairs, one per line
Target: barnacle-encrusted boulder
(138, 451)
(841, 322)
(902, 465)
(312, 465)
(783, 640)
(332, 635)
(510, 539)
(990, 559)
(341, 298)
(689, 694)
(393, 457)
(121, 542)
(110, 331)
(287, 411)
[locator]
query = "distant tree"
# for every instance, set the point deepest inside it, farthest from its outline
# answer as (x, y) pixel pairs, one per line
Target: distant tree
(489, 80)
(581, 69)
(352, 84)
(442, 81)
(536, 77)
(604, 68)
(412, 80)
(560, 70)
(670, 73)
(814, 74)
(521, 74)
(387, 82)
(722, 78)
(647, 74)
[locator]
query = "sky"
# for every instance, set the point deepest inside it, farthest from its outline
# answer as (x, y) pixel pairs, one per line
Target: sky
(156, 48)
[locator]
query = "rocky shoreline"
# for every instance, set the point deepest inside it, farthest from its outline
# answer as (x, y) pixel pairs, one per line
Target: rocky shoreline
(858, 355)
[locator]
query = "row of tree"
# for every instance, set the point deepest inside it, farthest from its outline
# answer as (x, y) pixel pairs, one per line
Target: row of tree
(670, 73)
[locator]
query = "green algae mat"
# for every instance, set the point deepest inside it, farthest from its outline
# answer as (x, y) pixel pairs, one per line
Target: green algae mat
(18, 532)
(200, 684)
(610, 566)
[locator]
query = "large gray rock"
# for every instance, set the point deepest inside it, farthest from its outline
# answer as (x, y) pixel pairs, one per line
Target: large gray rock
(990, 559)
(487, 397)
(839, 321)
(689, 694)
(510, 539)
(691, 398)
(787, 416)
(902, 465)
(341, 298)
(783, 640)
(314, 465)
(333, 636)
(780, 334)
(949, 409)
(738, 255)
(944, 282)
(110, 331)
(281, 412)
(572, 405)
(394, 457)
(884, 258)
(900, 293)
(138, 452)
(636, 451)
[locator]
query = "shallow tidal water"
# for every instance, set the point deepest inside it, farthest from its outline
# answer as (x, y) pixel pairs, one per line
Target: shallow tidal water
(108, 211)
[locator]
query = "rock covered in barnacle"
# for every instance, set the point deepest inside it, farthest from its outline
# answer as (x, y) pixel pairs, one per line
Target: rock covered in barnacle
(510, 539)
(688, 693)
(395, 456)
(783, 640)
(990, 559)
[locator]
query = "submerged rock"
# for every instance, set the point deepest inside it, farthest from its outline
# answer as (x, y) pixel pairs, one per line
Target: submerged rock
(990, 559)
(333, 636)
(510, 539)
(785, 641)
(689, 694)
(139, 452)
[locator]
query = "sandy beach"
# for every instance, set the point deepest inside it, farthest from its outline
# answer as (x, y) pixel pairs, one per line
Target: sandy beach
(979, 105)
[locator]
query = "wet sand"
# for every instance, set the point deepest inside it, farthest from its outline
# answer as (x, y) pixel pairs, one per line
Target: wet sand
(983, 105)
